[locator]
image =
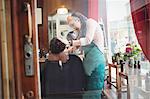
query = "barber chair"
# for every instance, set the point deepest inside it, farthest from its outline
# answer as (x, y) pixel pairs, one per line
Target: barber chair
(63, 82)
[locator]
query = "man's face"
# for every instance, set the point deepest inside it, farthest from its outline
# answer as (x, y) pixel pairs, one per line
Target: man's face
(74, 22)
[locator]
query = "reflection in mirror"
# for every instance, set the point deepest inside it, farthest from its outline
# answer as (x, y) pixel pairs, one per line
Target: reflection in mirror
(58, 27)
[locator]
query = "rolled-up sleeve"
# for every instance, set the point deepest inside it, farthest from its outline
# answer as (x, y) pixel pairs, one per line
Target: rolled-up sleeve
(91, 28)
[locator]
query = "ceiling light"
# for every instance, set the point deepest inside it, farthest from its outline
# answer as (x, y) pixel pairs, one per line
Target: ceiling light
(62, 11)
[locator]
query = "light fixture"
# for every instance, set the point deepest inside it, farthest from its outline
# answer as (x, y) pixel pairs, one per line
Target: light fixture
(62, 10)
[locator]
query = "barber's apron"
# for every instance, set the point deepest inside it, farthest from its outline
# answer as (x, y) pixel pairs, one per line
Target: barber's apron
(94, 65)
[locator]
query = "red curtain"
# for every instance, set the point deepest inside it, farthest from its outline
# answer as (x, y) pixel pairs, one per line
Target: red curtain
(93, 9)
(140, 10)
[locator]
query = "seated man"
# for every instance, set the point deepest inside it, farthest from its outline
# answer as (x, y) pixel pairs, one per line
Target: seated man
(61, 73)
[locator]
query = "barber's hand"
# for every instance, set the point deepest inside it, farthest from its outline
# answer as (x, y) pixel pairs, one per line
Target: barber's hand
(76, 43)
(71, 49)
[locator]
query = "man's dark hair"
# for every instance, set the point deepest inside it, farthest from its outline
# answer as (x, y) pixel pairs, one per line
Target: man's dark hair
(56, 46)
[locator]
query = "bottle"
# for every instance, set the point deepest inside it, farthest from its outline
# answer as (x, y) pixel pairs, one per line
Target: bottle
(139, 78)
(138, 64)
(134, 64)
(147, 82)
(121, 64)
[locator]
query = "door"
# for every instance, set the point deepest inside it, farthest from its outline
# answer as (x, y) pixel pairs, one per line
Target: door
(0, 70)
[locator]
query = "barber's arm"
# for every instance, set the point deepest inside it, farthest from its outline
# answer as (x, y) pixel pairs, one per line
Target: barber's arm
(70, 49)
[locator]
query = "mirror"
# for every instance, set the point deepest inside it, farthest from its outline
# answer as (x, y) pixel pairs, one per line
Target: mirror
(58, 27)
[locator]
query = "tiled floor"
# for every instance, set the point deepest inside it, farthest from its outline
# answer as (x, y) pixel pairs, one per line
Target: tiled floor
(139, 84)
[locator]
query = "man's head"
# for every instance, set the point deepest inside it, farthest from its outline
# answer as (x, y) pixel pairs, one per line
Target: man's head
(57, 46)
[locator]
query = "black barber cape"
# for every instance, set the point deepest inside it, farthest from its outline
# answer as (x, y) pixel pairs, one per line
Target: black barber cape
(65, 78)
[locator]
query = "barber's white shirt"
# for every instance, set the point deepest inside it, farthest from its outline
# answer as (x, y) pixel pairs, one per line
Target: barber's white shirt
(95, 34)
